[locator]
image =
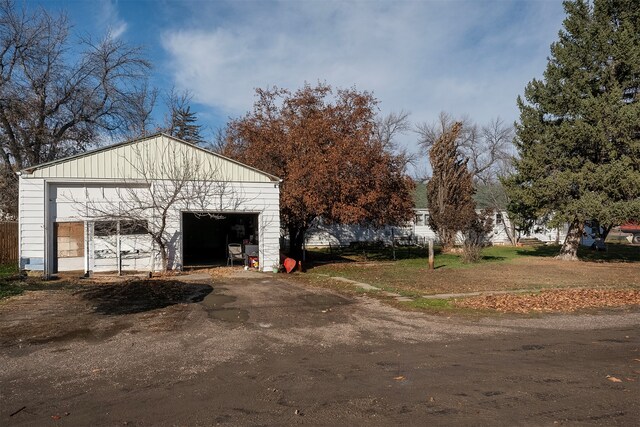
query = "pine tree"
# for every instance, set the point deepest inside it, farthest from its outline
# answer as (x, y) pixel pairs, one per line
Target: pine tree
(450, 190)
(182, 120)
(579, 131)
(184, 125)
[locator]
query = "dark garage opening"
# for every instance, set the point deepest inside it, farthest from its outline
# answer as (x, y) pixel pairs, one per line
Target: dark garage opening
(206, 237)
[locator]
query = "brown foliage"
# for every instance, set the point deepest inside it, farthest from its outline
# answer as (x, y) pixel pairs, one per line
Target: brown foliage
(450, 190)
(321, 143)
(553, 300)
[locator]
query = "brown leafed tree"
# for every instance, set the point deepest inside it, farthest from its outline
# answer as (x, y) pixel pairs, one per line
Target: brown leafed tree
(322, 144)
(450, 190)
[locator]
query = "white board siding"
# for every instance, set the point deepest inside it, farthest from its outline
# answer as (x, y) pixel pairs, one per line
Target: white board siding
(320, 234)
(67, 202)
(31, 230)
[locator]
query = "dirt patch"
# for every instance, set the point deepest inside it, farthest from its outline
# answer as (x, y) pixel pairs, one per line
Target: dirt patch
(553, 300)
(294, 361)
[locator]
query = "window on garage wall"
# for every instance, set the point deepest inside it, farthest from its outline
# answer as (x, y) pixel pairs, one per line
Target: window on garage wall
(127, 228)
(69, 239)
(131, 228)
(105, 228)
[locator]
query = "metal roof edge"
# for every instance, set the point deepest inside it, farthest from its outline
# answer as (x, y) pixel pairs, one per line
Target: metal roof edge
(32, 169)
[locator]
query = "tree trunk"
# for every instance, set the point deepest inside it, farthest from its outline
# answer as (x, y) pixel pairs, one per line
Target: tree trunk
(296, 241)
(447, 240)
(163, 255)
(569, 250)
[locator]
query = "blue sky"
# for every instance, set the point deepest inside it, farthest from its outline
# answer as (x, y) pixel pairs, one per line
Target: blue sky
(463, 57)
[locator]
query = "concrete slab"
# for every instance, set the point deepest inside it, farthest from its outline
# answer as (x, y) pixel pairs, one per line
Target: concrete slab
(475, 294)
(356, 283)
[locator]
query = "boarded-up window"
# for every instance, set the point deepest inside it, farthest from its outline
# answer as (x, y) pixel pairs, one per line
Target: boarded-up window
(69, 239)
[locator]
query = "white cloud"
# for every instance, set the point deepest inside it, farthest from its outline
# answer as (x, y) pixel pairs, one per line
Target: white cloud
(110, 20)
(463, 57)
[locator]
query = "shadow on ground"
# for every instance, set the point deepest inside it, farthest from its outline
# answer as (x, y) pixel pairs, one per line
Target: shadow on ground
(137, 296)
(613, 253)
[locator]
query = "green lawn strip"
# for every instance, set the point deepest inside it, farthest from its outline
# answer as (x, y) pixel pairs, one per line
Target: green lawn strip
(14, 286)
(430, 303)
(8, 270)
(411, 256)
(9, 285)
(10, 289)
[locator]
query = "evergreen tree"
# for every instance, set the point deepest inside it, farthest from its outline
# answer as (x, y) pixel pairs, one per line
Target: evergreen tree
(450, 190)
(182, 122)
(579, 130)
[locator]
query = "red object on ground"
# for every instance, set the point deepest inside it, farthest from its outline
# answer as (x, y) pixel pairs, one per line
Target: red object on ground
(630, 227)
(289, 264)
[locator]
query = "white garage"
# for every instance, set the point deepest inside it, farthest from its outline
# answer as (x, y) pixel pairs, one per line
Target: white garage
(144, 204)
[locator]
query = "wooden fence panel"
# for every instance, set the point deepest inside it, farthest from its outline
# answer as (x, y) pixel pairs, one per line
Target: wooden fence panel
(8, 242)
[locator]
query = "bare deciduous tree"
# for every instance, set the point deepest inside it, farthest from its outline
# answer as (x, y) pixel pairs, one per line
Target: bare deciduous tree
(58, 98)
(489, 148)
(476, 236)
(143, 102)
(387, 130)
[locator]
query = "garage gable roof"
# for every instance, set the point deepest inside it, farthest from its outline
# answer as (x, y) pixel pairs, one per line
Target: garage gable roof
(132, 159)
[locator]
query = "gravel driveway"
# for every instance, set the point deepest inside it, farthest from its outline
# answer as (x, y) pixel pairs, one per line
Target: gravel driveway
(262, 351)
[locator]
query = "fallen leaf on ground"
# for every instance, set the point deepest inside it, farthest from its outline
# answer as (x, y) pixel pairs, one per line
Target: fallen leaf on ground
(550, 300)
(614, 379)
(399, 378)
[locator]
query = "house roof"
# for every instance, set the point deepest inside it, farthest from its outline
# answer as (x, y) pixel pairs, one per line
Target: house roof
(117, 161)
(420, 196)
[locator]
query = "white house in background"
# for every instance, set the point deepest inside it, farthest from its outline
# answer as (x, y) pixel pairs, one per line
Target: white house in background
(60, 230)
(418, 230)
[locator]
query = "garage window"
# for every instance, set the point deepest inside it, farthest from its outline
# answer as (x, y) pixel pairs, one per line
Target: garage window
(127, 228)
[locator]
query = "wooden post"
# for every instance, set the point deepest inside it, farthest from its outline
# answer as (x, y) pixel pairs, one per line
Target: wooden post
(118, 249)
(431, 263)
(393, 243)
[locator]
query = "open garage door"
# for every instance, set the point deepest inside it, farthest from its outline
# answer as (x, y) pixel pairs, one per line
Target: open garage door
(206, 236)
